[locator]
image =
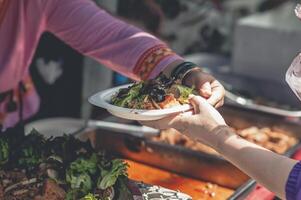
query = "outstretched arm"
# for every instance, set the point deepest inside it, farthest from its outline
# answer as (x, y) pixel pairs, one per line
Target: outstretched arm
(120, 46)
(268, 168)
(95, 33)
(278, 173)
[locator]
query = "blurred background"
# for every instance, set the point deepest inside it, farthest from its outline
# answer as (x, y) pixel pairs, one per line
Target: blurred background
(246, 44)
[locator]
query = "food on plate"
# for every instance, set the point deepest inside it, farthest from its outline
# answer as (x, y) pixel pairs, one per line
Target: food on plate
(273, 139)
(158, 93)
(60, 168)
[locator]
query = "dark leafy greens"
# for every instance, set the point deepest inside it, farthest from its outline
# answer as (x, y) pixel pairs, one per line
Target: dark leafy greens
(30, 152)
(148, 94)
(110, 176)
(79, 174)
(4, 151)
(182, 92)
(126, 96)
(73, 164)
(90, 197)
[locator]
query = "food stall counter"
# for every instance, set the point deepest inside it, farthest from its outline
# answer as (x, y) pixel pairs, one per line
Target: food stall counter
(197, 189)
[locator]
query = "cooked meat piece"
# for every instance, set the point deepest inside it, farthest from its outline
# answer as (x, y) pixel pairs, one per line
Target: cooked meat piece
(273, 139)
(52, 191)
(24, 190)
(276, 147)
(169, 101)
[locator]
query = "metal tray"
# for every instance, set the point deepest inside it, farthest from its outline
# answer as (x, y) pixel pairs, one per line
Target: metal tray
(253, 88)
(241, 102)
(191, 163)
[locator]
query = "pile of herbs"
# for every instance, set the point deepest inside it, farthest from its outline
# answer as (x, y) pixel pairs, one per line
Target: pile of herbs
(140, 94)
(71, 163)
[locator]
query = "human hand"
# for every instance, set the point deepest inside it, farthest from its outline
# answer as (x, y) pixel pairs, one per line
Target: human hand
(198, 124)
(208, 87)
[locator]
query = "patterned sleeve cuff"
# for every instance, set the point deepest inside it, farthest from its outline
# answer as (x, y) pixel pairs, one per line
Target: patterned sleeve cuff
(154, 60)
(291, 188)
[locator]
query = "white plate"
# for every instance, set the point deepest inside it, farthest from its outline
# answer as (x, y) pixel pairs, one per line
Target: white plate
(103, 100)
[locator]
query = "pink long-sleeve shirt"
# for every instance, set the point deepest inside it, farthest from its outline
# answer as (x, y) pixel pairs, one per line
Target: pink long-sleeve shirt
(85, 27)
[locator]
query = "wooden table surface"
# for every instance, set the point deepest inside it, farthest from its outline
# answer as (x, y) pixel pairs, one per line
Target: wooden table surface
(198, 190)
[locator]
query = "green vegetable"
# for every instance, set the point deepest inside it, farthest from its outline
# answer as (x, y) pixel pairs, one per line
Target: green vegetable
(90, 197)
(29, 158)
(79, 173)
(82, 165)
(73, 164)
(30, 153)
(140, 101)
(4, 152)
(72, 194)
(133, 93)
(82, 182)
(109, 177)
(157, 89)
(181, 92)
(67, 148)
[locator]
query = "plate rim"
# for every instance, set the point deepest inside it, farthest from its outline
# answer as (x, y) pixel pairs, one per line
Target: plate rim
(101, 102)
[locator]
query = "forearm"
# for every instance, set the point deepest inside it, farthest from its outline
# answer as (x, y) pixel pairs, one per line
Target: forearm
(268, 168)
(97, 34)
